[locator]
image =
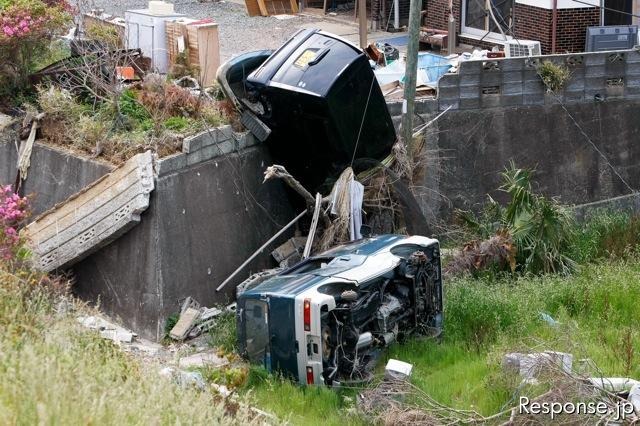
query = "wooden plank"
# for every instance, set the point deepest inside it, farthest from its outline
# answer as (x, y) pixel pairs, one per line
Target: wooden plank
(294, 6)
(252, 7)
(92, 218)
(263, 8)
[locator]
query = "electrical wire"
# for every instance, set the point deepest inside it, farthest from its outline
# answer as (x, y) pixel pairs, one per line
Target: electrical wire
(364, 115)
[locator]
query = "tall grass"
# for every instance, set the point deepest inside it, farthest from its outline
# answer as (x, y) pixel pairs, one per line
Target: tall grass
(52, 371)
(596, 310)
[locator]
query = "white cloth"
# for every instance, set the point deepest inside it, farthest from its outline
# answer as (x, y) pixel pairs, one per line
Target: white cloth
(355, 218)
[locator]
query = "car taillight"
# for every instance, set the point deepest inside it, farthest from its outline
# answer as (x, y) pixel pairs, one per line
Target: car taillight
(309, 375)
(307, 316)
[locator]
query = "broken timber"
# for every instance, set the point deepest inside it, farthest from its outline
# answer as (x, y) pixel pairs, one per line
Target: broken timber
(94, 217)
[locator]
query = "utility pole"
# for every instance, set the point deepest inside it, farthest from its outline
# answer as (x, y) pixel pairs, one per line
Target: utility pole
(362, 19)
(410, 75)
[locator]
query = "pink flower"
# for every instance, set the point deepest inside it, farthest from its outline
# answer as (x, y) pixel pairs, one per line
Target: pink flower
(8, 30)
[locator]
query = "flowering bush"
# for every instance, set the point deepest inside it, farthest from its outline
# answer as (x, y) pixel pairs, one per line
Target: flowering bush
(13, 212)
(26, 29)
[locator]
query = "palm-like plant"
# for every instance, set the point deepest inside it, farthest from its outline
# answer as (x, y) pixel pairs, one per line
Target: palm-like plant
(541, 228)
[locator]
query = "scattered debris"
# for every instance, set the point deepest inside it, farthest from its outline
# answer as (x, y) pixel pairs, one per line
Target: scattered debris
(187, 321)
(184, 378)
(290, 253)
(530, 366)
(107, 329)
(202, 359)
(195, 320)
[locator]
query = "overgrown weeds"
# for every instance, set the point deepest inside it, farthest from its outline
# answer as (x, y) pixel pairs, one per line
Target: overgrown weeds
(554, 76)
(156, 115)
(607, 234)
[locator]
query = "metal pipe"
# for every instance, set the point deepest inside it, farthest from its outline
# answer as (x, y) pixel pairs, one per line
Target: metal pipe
(264, 246)
(554, 25)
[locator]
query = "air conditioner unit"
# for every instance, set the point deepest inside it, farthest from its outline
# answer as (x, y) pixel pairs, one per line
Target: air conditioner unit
(513, 48)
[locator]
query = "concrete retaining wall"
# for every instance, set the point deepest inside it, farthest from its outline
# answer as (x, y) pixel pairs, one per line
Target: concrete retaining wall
(209, 211)
(467, 150)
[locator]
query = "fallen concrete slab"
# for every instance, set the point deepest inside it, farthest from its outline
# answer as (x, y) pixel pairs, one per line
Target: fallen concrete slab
(94, 217)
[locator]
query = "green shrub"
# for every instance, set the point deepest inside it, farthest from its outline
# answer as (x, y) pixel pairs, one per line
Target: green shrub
(541, 229)
(177, 124)
(554, 76)
(223, 333)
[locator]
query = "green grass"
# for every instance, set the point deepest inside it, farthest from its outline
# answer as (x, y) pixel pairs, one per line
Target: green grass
(53, 371)
(484, 319)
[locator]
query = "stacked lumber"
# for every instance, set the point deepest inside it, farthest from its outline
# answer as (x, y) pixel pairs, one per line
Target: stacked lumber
(271, 7)
(199, 41)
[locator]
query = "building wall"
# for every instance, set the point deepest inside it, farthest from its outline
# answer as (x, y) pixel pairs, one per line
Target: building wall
(532, 21)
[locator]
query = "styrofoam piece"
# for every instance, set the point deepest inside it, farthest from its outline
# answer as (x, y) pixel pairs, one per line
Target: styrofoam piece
(396, 369)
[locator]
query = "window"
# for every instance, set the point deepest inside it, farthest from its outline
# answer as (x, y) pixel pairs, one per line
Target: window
(618, 12)
(477, 20)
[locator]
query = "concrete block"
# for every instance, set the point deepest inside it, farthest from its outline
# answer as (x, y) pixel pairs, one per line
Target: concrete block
(491, 78)
(469, 79)
(533, 87)
(632, 90)
(184, 325)
(573, 96)
(449, 80)
(512, 64)
(595, 71)
(490, 101)
(92, 218)
(632, 69)
(206, 138)
(448, 92)
(171, 164)
(514, 88)
(591, 59)
(470, 67)
(424, 106)
(469, 103)
(443, 104)
(633, 57)
(512, 77)
(574, 84)
(533, 99)
(202, 359)
(511, 100)
(467, 92)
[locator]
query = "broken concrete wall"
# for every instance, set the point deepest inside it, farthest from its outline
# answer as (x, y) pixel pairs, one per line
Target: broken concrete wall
(208, 213)
(467, 150)
(54, 175)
